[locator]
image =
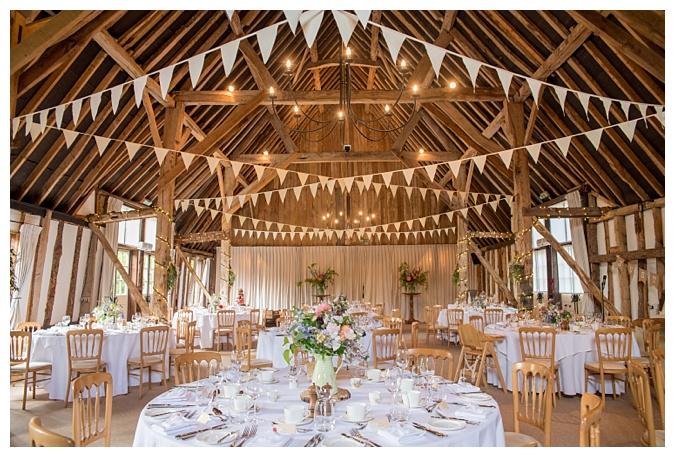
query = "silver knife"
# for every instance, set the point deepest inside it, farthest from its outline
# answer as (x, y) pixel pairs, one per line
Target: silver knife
(355, 439)
(319, 440)
(457, 419)
(427, 429)
(311, 441)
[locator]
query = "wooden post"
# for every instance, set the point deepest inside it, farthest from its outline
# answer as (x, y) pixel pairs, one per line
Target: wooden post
(70, 306)
(172, 131)
(226, 183)
(586, 281)
(624, 276)
(38, 269)
(495, 275)
(17, 23)
(120, 268)
(199, 282)
(643, 299)
(658, 243)
(56, 259)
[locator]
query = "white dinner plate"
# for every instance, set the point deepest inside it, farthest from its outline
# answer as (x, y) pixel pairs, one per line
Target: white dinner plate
(446, 424)
(273, 381)
(476, 396)
(369, 417)
(162, 413)
(305, 421)
(212, 436)
(340, 441)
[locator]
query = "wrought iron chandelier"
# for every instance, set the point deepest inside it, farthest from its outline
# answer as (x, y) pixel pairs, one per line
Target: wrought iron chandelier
(375, 129)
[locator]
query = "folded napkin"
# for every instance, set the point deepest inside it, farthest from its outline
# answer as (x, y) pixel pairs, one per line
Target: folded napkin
(402, 435)
(473, 412)
(177, 424)
(463, 388)
(270, 440)
(178, 397)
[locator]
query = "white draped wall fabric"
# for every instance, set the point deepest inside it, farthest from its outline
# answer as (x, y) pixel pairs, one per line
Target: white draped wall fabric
(107, 279)
(580, 249)
(28, 240)
(268, 275)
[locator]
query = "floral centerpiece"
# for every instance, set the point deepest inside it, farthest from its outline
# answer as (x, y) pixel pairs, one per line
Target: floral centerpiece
(108, 309)
(217, 302)
(320, 279)
(324, 331)
(240, 298)
(480, 301)
(552, 313)
(410, 279)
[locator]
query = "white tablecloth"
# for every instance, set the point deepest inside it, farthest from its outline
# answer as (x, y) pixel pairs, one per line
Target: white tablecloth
(207, 323)
(469, 311)
(118, 347)
(489, 432)
(572, 351)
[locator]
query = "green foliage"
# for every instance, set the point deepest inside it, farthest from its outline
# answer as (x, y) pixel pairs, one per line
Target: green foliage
(12, 275)
(516, 270)
(455, 276)
(319, 279)
(171, 276)
(231, 277)
(410, 279)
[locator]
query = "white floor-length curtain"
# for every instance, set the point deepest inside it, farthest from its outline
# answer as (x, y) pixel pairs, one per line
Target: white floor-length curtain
(580, 249)
(107, 279)
(29, 235)
(268, 275)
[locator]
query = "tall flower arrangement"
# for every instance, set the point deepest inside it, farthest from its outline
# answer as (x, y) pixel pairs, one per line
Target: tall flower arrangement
(319, 279)
(109, 308)
(552, 313)
(411, 278)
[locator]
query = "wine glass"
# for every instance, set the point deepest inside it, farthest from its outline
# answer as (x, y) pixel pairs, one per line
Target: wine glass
(402, 358)
(254, 388)
(65, 320)
(392, 379)
(399, 411)
(135, 319)
(427, 368)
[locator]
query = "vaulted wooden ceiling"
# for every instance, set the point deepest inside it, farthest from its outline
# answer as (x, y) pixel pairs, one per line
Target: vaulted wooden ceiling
(613, 54)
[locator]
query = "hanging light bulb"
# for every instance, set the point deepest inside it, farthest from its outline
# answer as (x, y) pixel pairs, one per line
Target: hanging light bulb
(231, 88)
(265, 153)
(453, 85)
(288, 64)
(349, 53)
(271, 90)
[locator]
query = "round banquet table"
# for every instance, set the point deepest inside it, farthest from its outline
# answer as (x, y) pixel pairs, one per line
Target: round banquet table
(207, 323)
(572, 351)
(469, 311)
(488, 432)
(118, 346)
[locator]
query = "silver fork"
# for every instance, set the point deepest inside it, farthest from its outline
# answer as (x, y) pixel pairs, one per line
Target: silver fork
(355, 433)
(251, 433)
(244, 433)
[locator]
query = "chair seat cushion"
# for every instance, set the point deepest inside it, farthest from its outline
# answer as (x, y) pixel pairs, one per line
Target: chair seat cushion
(33, 366)
(176, 351)
(607, 366)
(86, 365)
(147, 360)
(514, 439)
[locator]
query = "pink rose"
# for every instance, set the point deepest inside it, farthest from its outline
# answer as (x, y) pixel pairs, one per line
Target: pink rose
(347, 333)
(407, 278)
(322, 307)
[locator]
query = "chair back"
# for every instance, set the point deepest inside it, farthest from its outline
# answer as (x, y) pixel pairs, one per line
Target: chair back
(533, 402)
(184, 314)
(243, 343)
(153, 341)
(430, 317)
(29, 326)
(642, 399)
(414, 334)
(92, 408)
(658, 373)
(360, 317)
(41, 437)
(194, 366)
(244, 323)
(455, 317)
(589, 429)
(444, 360)
(226, 319)
(477, 321)
(537, 344)
(396, 312)
(85, 345)
(378, 309)
(385, 344)
(623, 321)
(614, 345)
(493, 315)
(254, 317)
(469, 337)
(19, 347)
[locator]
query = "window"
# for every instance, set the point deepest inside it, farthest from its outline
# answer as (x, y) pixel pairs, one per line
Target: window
(148, 274)
(568, 281)
(539, 276)
(132, 233)
(120, 285)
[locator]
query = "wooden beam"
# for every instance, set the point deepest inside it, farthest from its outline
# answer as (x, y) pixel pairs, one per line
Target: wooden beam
(623, 42)
(549, 213)
(59, 27)
(593, 289)
(138, 296)
(631, 209)
(495, 275)
(329, 63)
(120, 216)
(17, 27)
(639, 254)
(202, 237)
(38, 269)
(51, 289)
(70, 305)
(194, 274)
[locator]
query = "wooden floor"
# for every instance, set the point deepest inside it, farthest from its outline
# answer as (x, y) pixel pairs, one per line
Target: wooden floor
(620, 425)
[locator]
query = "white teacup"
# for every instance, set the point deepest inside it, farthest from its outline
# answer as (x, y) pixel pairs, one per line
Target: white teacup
(355, 382)
(374, 374)
(294, 414)
(375, 397)
(267, 375)
(273, 394)
(407, 384)
(356, 411)
(230, 389)
(412, 398)
(242, 403)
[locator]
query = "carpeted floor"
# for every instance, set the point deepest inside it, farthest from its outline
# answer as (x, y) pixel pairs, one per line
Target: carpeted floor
(620, 425)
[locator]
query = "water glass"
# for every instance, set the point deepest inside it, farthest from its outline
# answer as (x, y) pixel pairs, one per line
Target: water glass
(65, 320)
(324, 416)
(400, 411)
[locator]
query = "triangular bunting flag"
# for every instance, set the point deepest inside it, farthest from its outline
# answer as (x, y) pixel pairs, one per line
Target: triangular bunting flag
(165, 75)
(506, 157)
(184, 204)
(436, 55)
(394, 41)
(393, 189)
(339, 234)
(282, 175)
(479, 161)
(161, 153)
(187, 159)
(297, 191)
(43, 120)
(254, 199)
(643, 108)
(228, 54)
(563, 144)
(535, 85)
(330, 185)
(311, 21)
(584, 98)
(268, 198)
(274, 235)
(364, 16)
(15, 126)
(101, 143)
(348, 183)
(464, 212)
(436, 218)
(34, 132)
(397, 225)
(228, 217)
(282, 194)
(176, 204)
(259, 171)
(266, 38)
(377, 186)
(423, 192)
(229, 14)
(236, 167)
(303, 178)
(625, 106)
(95, 102)
(408, 174)
(213, 163)
(534, 150)
(346, 24)
(431, 171)
(242, 200)
(76, 107)
(199, 210)
(360, 186)
(195, 65)
(628, 128)
(606, 103)
(323, 180)
(454, 166)
(242, 219)
(58, 112)
(313, 188)
(594, 137)
(139, 86)
(387, 178)
(409, 191)
(292, 16)
(367, 179)
(473, 67)
(29, 123)
(218, 201)
(561, 93)
(438, 193)
(268, 224)
(478, 209)
(494, 205)
(115, 95)
(70, 136)
(505, 78)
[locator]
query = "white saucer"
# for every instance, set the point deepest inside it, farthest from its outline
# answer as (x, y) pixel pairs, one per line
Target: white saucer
(370, 381)
(446, 424)
(212, 436)
(476, 396)
(273, 381)
(340, 441)
(369, 417)
(305, 421)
